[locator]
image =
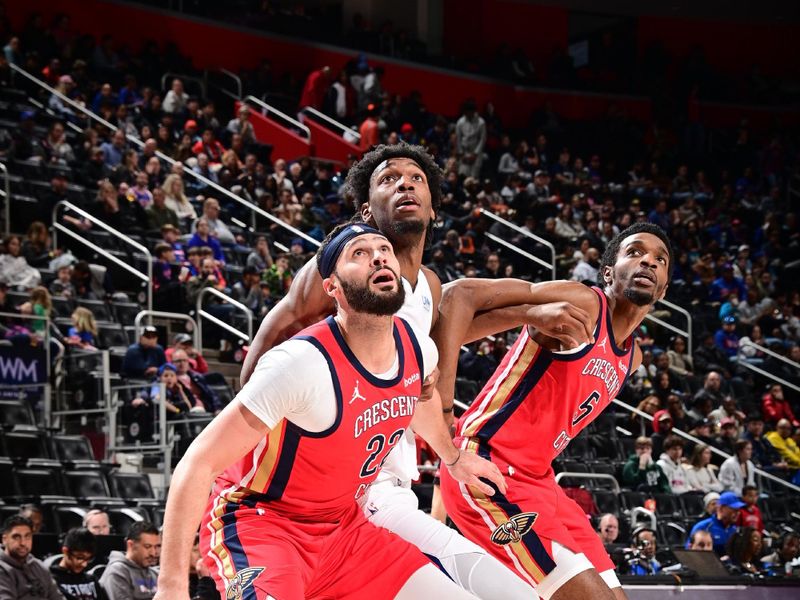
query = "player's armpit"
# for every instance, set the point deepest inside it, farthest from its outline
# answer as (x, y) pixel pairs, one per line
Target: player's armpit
(305, 304)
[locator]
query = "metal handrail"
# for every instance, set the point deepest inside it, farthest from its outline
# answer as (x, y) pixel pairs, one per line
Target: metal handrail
(788, 361)
(713, 449)
(118, 234)
(236, 78)
(687, 333)
(201, 314)
(182, 77)
(516, 249)
(528, 234)
(266, 108)
(604, 476)
(772, 376)
(159, 314)
(341, 126)
(7, 193)
(641, 510)
(136, 141)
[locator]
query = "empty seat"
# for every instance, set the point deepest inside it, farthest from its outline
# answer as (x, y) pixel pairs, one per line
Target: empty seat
(126, 312)
(67, 516)
(35, 483)
(224, 392)
(777, 509)
(672, 534)
(87, 485)
(668, 505)
(76, 450)
(131, 486)
(62, 307)
(693, 505)
(606, 501)
(25, 445)
(632, 499)
(122, 518)
(15, 412)
(100, 310)
(111, 336)
(8, 476)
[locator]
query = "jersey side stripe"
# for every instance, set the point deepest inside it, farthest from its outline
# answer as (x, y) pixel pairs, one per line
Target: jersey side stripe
(504, 391)
(269, 460)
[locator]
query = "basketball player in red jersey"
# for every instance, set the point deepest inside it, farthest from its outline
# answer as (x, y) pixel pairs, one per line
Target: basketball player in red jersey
(541, 397)
(398, 190)
(301, 442)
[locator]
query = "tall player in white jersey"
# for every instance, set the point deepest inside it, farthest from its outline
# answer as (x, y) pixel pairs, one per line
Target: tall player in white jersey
(398, 189)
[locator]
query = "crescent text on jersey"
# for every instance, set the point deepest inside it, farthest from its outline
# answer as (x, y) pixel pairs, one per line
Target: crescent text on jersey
(394, 408)
(599, 367)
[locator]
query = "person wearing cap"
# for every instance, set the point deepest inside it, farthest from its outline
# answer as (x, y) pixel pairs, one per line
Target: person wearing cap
(315, 425)
(143, 359)
(764, 454)
(710, 502)
(738, 470)
(727, 284)
(781, 439)
(727, 437)
(726, 337)
(662, 428)
(185, 342)
(722, 524)
(241, 124)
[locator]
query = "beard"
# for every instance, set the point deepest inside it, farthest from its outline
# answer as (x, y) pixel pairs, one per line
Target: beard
(406, 228)
(638, 297)
(362, 299)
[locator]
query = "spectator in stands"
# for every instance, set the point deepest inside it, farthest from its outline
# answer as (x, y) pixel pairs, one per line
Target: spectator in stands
(587, 267)
(315, 88)
(680, 420)
(14, 269)
(130, 575)
(208, 277)
(644, 540)
(781, 439)
(279, 277)
(143, 359)
(159, 214)
(89, 282)
(34, 514)
(743, 550)
(168, 277)
(175, 199)
(210, 146)
(712, 385)
(204, 397)
(670, 463)
(662, 428)
(140, 192)
(96, 521)
(83, 333)
(21, 575)
(62, 286)
(241, 124)
(56, 148)
(176, 99)
(726, 285)
(178, 400)
(39, 305)
(777, 407)
(701, 540)
(728, 436)
(202, 238)
(708, 357)
(787, 549)
(69, 573)
(112, 151)
(118, 213)
(726, 337)
(728, 410)
(248, 290)
(750, 515)
(260, 257)
(641, 472)
(764, 454)
(722, 524)
(738, 470)
(183, 341)
(56, 103)
(217, 227)
(369, 130)
(700, 474)
(470, 140)
(608, 529)
(37, 247)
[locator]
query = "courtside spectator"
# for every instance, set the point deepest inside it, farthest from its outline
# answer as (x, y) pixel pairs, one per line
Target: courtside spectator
(701, 540)
(644, 540)
(722, 524)
(750, 515)
(787, 549)
(130, 575)
(23, 577)
(743, 550)
(69, 573)
(608, 528)
(34, 514)
(96, 521)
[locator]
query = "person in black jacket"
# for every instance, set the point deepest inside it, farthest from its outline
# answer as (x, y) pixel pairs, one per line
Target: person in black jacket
(143, 359)
(70, 573)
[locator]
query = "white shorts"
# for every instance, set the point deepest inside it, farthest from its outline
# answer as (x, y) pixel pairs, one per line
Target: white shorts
(568, 565)
(396, 508)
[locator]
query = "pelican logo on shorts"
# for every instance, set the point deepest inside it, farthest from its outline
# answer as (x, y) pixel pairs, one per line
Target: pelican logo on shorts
(512, 530)
(243, 580)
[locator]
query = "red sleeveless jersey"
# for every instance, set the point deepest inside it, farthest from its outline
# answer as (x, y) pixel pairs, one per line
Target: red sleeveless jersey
(317, 475)
(538, 400)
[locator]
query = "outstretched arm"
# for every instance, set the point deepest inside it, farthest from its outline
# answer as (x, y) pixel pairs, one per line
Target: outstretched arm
(473, 308)
(306, 303)
(232, 434)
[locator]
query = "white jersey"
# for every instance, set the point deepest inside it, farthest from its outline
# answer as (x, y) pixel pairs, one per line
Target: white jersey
(401, 463)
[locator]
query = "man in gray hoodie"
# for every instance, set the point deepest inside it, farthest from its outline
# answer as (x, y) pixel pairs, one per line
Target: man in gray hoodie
(131, 576)
(23, 577)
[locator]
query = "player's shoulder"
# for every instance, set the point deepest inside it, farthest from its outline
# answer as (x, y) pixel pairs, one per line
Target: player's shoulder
(430, 354)
(294, 352)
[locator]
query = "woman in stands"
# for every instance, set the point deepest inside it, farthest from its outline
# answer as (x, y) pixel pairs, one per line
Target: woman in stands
(700, 474)
(744, 551)
(176, 199)
(37, 248)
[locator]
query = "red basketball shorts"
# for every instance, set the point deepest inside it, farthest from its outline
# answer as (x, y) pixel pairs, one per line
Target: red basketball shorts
(256, 553)
(519, 528)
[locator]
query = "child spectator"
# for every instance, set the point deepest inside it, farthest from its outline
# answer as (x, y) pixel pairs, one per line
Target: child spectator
(750, 515)
(62, 286)
(700, 474)
(40, 305)
(83, 333)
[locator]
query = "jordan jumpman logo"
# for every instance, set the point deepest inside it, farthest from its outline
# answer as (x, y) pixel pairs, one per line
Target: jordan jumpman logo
(356, 394)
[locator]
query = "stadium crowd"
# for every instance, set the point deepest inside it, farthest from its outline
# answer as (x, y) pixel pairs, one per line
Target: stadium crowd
(727, 212)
